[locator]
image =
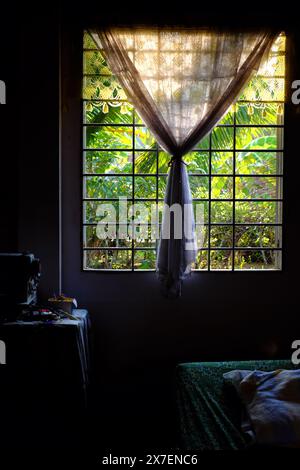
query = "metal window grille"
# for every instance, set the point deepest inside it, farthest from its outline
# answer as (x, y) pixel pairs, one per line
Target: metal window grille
(239, 184)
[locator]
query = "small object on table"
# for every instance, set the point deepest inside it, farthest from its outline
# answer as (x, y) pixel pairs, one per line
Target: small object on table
(61, 302)
(37, 314)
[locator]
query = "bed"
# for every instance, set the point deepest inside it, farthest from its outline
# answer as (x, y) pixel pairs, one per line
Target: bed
(209, 412)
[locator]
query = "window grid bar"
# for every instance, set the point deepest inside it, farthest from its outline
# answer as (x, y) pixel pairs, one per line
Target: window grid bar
(209, 202)
(122, 100)
(101, 149)
(211, 248)
(198, 175)
(149, 77)
(157, 191)
(205, 224)
(122, 124)
(133, 188)
(233, 189)
(194, 199)
(133, 177)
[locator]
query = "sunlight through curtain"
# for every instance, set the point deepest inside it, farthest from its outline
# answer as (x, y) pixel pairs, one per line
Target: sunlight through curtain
(181, 81)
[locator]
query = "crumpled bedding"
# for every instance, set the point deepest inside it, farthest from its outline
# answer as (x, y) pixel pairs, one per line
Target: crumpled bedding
(272, 401)
(208, 410)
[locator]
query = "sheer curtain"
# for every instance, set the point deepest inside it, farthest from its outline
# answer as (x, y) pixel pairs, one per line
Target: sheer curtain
(181, 81)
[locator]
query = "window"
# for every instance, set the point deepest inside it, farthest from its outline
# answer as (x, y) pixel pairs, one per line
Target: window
(235, 173)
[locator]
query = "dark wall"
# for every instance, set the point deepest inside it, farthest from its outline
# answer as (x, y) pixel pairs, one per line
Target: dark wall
(9, 143)
(29, 138)
(38, 184)
(139, 337)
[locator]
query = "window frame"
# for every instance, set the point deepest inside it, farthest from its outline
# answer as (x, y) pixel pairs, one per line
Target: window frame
(233, 224)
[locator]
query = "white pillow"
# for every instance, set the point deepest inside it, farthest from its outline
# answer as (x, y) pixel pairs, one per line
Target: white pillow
(272, 401)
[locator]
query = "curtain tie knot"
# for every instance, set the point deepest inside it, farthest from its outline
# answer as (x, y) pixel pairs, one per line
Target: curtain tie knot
(176, 158)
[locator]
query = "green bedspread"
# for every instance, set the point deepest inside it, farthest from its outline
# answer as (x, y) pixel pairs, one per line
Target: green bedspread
(209, 412)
